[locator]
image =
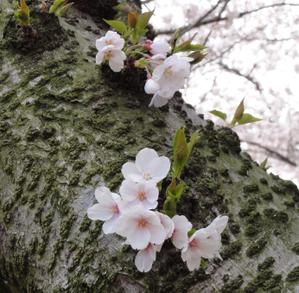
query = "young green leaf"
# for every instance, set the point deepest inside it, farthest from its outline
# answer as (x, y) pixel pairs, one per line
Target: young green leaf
(264, 164)
(191, 232)
(193, 140)
(180, 188)
(177, 34)
(57, 4)
(187, 46)
(175, 190)
(22, 14)
(238, 113)
(132, 19)
(197, 56)
(248, 118)
(219, 114)
(62, 10)
(180, 152)
(169, 206)
(118, 25)
(174, 193)
(143, 20)
(140, 29)
(24, 7)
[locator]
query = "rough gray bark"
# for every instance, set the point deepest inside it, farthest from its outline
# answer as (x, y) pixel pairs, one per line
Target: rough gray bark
(65, 128)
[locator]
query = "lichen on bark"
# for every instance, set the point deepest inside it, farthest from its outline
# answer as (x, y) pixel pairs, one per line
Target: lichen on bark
(65, 129)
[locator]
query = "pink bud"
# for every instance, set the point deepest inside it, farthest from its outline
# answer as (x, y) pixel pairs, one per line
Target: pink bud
(147, 45)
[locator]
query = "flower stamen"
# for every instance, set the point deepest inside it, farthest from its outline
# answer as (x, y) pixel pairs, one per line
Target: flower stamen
(141, 195)
(147, 176)
(142, 223)
(168, 72)
(115, 209)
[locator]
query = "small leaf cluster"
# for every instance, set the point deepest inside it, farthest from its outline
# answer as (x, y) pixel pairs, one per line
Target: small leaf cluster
(134, 33)
(181, 154)
(197, 51)
(239, 118)
(136, 27)
(22, 14)
(60, 7)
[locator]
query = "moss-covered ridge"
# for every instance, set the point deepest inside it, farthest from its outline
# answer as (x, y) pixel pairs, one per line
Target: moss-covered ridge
(64, 130)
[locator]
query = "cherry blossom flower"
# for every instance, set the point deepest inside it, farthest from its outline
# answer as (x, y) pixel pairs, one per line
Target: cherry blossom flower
(107, 209)
(145, 193)
(167, 78)
(145, 258)
(140, 227)
(205, 242)
(180, 234)
(110, 49)
(148, 167)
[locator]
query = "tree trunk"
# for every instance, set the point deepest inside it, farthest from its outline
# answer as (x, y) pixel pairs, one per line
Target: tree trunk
(66, 127)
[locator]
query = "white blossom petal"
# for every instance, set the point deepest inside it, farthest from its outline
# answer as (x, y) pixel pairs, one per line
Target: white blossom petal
(97, 212)
(181, 228)
(159, 168)
(149, 205)
(116, 65)
(167, 223)
(193, 263)
(110, 226)
(103, 193)
(151, 87)
(130, 172)
(125, 225)
(157, 101)
(158, 72)
(106, 207)
(145, 258)
(220, 223)
(209, 243)
(157, 234)
(99, 58)
(152, 191)
(145, 157)
(100, 43)
(128, 190)
(139, 239)
(115, 39)
(160, 46)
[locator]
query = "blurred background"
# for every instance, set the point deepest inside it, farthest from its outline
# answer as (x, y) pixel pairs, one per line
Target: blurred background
(253, 53)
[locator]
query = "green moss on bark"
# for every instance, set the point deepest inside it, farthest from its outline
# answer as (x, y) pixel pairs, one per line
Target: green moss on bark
(65, 130)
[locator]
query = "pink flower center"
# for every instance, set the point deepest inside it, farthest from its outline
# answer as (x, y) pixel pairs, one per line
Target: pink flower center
(141, 195)
(142, 223)
(194, 244)
(108, 55)
(109, 42)
(147, 176)
(115, 209)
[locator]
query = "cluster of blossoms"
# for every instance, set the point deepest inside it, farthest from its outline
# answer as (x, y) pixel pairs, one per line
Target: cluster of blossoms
(132, 215)
(110, 49)
(166, 73)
